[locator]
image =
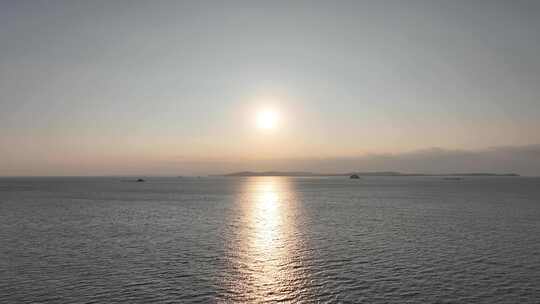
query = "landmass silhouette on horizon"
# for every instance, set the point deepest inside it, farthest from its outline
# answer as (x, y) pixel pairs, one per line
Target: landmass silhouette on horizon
(374, 173)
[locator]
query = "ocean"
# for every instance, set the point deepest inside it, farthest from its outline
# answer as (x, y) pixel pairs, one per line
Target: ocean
(270, 240)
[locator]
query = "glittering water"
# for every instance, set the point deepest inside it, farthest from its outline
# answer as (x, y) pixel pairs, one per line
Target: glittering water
(270, 239)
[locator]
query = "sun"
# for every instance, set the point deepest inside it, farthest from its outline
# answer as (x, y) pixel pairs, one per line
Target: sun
(267, 119)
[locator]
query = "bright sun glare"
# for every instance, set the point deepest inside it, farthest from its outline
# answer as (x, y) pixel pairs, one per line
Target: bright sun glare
(267, 119)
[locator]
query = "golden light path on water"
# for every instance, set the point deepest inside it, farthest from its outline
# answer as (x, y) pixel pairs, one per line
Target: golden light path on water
(268, 257)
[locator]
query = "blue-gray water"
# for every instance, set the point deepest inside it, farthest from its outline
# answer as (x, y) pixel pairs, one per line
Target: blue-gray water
(270, 239)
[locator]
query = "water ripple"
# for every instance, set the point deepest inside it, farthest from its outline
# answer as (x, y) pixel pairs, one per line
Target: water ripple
(270, 240)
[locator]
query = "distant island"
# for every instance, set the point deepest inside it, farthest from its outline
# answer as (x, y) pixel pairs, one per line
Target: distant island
(375, 173)
(273, 173)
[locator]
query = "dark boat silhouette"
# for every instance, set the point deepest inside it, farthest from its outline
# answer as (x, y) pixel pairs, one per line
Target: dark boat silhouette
(140, 180)
(354, 176)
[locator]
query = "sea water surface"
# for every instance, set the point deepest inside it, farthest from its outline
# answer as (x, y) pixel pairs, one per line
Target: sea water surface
(270, 240)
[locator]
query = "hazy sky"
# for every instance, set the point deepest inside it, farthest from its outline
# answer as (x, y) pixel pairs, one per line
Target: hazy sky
(173, 87)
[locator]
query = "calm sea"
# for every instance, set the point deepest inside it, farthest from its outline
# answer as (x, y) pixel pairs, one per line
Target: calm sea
(270, 239)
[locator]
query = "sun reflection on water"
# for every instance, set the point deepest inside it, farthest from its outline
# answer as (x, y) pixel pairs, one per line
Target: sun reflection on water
(266, 259)
(266, 217)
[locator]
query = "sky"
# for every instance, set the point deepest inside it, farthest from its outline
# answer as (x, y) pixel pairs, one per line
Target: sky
(175, 87)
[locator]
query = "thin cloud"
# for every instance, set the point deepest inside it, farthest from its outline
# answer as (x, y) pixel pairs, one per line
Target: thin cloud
(506, 159)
